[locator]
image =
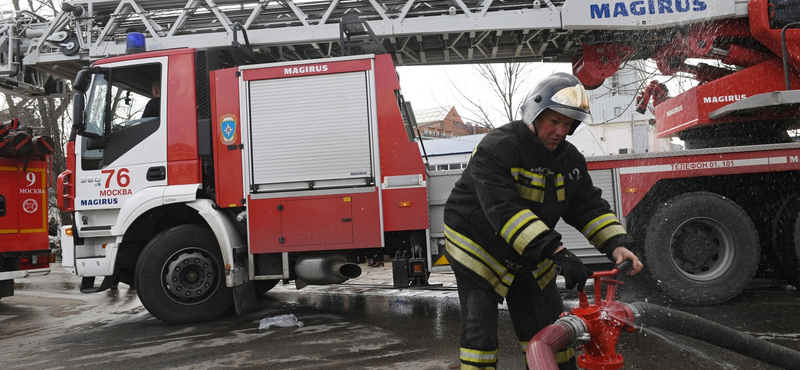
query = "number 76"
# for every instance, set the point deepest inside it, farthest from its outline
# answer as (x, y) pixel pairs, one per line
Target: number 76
(123, 180)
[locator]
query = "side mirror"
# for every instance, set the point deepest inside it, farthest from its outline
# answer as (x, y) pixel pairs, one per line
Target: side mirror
(93, 143)
(82, 81)
(78, 106)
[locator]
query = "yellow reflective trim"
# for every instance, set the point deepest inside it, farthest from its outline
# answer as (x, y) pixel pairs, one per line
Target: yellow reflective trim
(464, 258)
(565, 355)
(524, 346)
(524, 192)
(467, 245)
(480, 357)
(515, 223)
(607, 233)
(600, 227)
(29, 231)
(546, 278)
(560, 191)
(542, 267)
(475, 258)
(596, 224)
(530, 185)
(528, 234)
(9, 231)
(535, 179)
(472, 367)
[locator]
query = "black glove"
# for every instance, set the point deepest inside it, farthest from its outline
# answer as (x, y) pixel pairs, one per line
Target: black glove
(571, 268)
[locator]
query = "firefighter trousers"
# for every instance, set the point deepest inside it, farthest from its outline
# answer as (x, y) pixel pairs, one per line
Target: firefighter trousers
(530, 308)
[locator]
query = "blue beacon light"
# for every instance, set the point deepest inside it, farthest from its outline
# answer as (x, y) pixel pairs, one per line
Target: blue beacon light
(135, 43)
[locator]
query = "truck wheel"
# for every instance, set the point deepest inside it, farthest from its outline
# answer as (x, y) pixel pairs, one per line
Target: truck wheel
(179, 276)
(786, 239)
(701, 248)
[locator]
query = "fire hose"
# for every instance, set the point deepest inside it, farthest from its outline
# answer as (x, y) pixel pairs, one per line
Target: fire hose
(19, 142)
(595, 329)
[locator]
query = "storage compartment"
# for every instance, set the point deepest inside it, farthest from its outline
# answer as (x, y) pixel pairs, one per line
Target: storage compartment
(304, 223)
(311, 132)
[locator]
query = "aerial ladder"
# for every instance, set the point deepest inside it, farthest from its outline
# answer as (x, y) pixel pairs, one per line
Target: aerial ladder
(39, 54)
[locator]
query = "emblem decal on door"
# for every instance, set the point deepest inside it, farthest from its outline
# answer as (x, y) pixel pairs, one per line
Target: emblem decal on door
(227, 129)
(30, 205)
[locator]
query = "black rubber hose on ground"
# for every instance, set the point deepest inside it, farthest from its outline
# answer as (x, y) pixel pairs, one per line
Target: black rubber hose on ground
(710, 332)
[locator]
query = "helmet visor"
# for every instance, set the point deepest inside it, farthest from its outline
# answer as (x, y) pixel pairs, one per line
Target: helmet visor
(575, 103)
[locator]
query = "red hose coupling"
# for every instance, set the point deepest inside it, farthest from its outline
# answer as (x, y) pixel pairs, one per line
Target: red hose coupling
(605, 320)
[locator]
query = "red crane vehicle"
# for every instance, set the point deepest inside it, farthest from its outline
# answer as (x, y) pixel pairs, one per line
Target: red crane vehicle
(706, 216)
(24, 245)
(284, 157)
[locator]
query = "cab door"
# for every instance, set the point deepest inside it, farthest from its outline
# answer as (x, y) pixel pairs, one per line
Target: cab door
(122, 154)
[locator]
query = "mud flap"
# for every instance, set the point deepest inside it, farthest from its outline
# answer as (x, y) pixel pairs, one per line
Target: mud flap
(244, 297)
(244, 292)
(87, 284)
(6, 288)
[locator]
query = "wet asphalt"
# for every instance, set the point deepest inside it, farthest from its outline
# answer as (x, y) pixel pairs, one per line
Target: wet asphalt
(364, 324)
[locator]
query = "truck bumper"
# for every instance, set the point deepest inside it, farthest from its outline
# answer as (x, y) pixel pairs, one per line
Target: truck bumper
(11, 275)
(96, 257)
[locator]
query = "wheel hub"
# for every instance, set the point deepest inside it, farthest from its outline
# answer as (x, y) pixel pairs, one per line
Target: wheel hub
(694, 247)
(190, 276)
(701, 249)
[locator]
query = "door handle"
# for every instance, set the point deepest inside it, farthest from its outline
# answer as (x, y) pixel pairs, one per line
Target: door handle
(156, 173)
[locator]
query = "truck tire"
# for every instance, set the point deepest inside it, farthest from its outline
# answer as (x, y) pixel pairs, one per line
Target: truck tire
(701, 248)
(179, 276)
(786, 239)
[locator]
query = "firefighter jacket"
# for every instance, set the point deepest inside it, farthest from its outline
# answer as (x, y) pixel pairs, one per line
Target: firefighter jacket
(500, 216)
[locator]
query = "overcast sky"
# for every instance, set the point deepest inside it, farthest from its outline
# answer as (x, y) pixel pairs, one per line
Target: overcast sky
(429, 87)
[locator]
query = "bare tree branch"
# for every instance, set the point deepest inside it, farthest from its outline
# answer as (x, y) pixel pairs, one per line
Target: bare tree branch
(505, 82)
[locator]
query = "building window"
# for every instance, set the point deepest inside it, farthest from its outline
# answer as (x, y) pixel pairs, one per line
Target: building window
(448, 167)
(614, 84)
(617, 111)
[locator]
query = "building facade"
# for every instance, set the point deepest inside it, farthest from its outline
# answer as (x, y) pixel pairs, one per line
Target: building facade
(617, 127)
(441, 122)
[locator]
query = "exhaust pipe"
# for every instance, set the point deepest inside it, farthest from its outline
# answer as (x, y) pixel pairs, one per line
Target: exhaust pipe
(324, 269)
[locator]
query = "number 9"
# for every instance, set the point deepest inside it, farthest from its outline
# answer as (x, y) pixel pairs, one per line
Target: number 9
(31, 177)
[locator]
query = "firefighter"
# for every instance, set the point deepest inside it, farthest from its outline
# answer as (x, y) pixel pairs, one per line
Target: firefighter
(500, 216)
(153, 107)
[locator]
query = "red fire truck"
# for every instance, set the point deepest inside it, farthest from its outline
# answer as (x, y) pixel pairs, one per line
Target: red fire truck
(707, 217)
(283, 171)
(24, 244)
